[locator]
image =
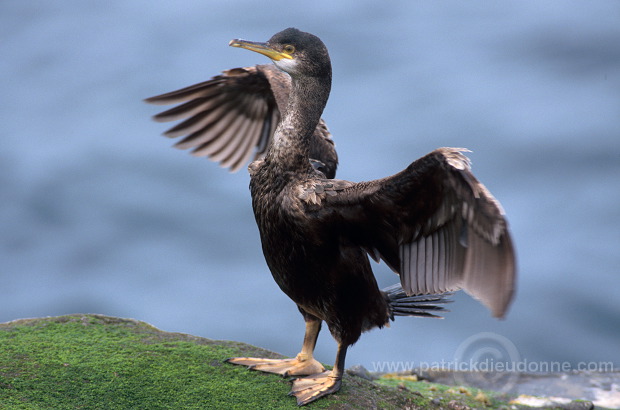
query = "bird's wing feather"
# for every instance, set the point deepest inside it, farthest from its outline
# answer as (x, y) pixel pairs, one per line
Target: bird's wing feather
(224, 118)
(234, 115)
(433, 223)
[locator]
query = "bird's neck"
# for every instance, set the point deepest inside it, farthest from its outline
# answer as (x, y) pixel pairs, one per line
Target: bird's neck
(291, 145)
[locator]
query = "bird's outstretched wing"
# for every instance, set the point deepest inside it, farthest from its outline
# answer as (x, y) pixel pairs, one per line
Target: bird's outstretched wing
(235, 114)
(433, 223)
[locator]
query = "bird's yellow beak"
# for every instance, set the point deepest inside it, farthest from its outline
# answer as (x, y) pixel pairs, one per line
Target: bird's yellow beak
(261, 48)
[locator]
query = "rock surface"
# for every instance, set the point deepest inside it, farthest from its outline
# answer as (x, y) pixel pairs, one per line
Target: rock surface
(600, 388)
(96, 361)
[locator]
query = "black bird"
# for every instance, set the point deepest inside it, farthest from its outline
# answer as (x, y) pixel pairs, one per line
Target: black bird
(433, 224)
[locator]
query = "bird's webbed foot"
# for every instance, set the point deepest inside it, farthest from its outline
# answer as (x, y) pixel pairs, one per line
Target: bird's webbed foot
(311, 388)
(298, 366)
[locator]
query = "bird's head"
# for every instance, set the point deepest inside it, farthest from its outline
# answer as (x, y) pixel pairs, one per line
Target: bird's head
(293, 51)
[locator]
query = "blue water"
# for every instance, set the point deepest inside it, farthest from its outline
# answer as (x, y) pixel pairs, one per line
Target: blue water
(98, 215)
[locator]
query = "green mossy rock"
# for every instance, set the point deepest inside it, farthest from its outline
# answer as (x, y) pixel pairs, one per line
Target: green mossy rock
(99, 362)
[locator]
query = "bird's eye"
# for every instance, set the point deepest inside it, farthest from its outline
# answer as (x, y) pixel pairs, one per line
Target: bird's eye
(289, 49)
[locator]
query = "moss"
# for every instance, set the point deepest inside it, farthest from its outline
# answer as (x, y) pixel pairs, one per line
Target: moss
(91, 361)
(442, 396)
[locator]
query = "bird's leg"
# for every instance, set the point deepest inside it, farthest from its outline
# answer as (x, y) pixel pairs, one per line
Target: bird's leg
(311, 388)
(303, 364)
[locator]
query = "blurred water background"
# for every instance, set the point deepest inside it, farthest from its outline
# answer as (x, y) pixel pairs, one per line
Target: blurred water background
(98, 215)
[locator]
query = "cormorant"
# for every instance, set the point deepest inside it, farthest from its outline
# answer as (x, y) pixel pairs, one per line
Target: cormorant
(433, 223)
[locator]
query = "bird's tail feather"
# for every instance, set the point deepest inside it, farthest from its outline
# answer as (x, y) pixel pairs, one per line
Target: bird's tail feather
(416, 305)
